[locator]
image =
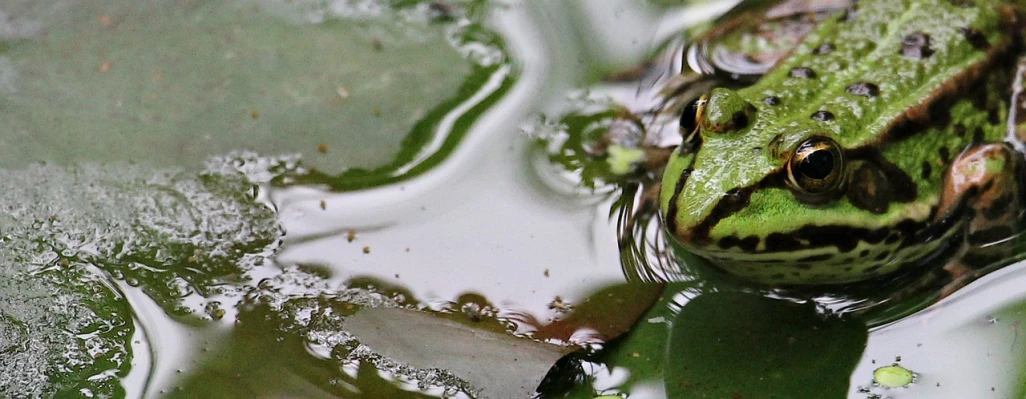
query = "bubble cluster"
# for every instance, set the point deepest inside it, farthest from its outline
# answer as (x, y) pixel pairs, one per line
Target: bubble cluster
(71, 235)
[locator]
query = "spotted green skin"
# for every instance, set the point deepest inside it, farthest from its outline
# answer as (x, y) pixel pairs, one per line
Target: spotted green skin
(867, 47)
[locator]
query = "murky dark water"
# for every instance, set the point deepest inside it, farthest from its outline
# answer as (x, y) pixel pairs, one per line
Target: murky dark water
(263, 198)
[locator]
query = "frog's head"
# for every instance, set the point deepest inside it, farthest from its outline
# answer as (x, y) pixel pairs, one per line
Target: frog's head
(776, 196)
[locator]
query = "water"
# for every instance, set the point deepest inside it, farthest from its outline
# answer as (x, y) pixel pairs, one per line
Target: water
(235, 199)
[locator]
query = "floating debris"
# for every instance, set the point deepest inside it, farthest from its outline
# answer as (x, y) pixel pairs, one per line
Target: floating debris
(893, 376)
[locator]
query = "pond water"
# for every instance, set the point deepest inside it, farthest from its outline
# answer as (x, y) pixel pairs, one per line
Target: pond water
(370, 198)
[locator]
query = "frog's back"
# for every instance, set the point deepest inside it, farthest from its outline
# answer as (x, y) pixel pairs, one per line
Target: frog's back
(863, 69)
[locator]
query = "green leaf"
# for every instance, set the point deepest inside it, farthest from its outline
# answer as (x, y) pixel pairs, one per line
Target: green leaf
(733, 345)
(170, 83)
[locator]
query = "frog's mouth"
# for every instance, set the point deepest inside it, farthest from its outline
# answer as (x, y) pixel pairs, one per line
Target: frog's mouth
(827, 254)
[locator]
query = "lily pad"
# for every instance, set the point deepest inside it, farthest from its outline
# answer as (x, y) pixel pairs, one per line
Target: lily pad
(170, 83)
(725, 345)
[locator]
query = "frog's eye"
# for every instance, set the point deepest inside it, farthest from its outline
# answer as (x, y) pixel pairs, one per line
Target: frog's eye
(815, 166)
(691, 118)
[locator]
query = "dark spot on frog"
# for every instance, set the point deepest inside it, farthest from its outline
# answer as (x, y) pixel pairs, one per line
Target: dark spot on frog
(803, 266)
(978, 135)
(845, 238)
(945, 154)
(778, 276)
(963, 3)
(975, 38)
(781, 242)
(864, 253)
(927, 170)
(747, 244)
(864, 89)
(802, 72)
(916, 46)
(739, 120)
(960, 130)
(847, 269)
(893, 238)
(771, 101)
(871, 269)
(823, 49)
(881, 256)
(822, 116)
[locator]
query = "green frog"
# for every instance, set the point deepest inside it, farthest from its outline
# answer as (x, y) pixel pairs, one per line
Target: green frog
(886, 139)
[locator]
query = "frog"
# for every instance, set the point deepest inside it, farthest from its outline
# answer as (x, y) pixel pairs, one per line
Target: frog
(889, 138)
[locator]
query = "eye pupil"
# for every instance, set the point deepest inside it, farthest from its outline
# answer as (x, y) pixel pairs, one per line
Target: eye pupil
(817, 165)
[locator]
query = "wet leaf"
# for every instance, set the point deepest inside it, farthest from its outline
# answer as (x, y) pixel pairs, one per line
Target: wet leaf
(608, 313)
(499, 365)
(732, 345)
(642, 349)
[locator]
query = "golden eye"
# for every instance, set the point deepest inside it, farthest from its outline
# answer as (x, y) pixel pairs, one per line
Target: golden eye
(816, 166)
(691, 118)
